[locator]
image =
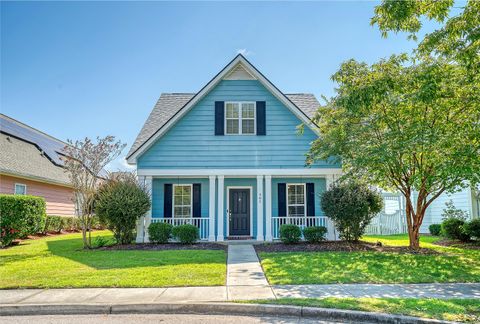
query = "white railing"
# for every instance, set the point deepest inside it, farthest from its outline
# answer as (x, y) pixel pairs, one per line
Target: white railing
(302, 222)
(200, 222)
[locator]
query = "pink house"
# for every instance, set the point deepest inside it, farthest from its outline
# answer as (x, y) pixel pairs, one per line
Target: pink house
(30, 164)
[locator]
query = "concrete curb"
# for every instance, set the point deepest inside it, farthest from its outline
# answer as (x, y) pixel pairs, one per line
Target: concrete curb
(212, 308)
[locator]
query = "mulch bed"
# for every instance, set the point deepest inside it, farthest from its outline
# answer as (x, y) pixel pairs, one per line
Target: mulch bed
(170, 246)
(458, 244)
(338, 246)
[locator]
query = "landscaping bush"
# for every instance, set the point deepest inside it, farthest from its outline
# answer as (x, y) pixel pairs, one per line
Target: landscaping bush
(314, 234)
(453, 228)
(450, 211)
(290, 234)
(352, 206)
(472, 229)
(20, 216)
(71, 224)
(435, 229)
(160, 232)
(120, 203)
(54, 224)
(186, 234)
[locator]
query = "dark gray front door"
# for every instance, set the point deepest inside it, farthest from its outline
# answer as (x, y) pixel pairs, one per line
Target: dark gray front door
(239, 212)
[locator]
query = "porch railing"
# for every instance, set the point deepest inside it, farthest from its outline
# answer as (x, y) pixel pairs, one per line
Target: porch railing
(302, 222)
(201, 222)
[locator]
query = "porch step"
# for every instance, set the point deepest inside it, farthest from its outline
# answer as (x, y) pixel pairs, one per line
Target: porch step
(239, 237)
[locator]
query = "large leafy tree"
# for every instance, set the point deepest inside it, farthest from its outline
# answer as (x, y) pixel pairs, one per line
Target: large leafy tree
(412, 126)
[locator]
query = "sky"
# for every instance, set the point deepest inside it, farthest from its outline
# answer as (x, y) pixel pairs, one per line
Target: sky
(87, 69)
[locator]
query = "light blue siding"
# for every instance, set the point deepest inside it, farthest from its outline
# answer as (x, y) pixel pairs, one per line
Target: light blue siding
(191, 142)
(319, 184)
(158, 194)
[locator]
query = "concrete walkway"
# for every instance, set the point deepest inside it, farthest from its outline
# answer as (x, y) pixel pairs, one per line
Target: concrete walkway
(245, 277)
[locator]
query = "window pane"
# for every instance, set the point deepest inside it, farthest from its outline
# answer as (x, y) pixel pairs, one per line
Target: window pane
(300, 189)
(20, 189)
(177, 212)
(296, 211)
(248, 111)
(248, 126)
(186, 200)
(232, 110)
(232, 126)
(186, 190)
(178, 190)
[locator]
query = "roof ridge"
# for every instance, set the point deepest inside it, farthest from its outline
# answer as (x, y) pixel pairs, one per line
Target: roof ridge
(32, 128)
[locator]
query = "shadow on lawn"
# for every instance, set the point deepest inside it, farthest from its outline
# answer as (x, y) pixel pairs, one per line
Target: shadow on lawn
(118, 259)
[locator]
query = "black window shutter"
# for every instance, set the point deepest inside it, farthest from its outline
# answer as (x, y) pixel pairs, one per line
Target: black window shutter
(282, 199)
(167, 200)
(219, 118)
(310, 187)
(261, 120)
(197, 200)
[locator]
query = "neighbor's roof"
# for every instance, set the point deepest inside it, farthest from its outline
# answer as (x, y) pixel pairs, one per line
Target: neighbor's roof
(170, 103)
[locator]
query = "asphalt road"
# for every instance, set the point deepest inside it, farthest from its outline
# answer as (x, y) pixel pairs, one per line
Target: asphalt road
(152, 318)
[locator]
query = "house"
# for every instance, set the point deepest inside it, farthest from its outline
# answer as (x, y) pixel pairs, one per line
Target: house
(30, 164)
(229, 158)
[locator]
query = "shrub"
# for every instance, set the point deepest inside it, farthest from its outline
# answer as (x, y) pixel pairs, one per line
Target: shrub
(20, 216)
(453, 229)
(186, 234)
(71, 224)
(314, 234)
(352, 206)
(290, 234)
(435, 229)
(472, 229)
(450, 211)
(119, 204)
(160, 232)
(54, 224)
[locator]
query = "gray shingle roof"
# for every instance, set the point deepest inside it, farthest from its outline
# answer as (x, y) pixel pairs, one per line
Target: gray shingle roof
(170, 103)
(21, 158)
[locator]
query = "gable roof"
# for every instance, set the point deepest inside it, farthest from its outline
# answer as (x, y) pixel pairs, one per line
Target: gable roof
(172, 106)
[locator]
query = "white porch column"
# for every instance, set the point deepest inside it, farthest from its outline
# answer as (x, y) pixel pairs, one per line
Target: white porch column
(211, 208)
(141, 220)
(268, 208)
(221, 211)
(328, 181)
(148, 215)
(260, 208)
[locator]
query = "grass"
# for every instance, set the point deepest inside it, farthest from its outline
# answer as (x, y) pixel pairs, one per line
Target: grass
(458, 310)
(452, 265)
(60, 262)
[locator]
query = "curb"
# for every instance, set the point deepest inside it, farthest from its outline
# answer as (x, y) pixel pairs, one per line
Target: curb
(212, 308)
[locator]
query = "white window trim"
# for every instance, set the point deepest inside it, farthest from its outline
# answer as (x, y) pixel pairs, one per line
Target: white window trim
(191, 199)
(304, 199)
(19, 184)
(240, 118)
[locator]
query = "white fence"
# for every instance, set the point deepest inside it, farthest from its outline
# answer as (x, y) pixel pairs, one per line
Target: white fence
(303, 222)
(391, 220)
(201, 222)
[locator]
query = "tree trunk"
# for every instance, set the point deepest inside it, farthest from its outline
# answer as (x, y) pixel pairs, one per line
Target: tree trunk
(414, 221)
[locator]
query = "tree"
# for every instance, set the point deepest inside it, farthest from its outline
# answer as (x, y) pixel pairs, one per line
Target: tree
(405, 125)
(120, 203)
(458, 39)
(352, 206)
(85, 163)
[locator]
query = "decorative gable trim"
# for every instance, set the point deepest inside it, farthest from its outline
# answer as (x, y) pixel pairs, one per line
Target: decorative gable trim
(230, 67)
(239, 73)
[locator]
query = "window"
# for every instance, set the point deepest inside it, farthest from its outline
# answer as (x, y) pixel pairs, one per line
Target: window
(240, 118)
(296, 200)
(182, 201)
(20, 189)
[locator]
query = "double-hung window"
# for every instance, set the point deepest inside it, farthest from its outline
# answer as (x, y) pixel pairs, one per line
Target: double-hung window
(296, 200)
(182, 201)
(240, 118)
(20, 189)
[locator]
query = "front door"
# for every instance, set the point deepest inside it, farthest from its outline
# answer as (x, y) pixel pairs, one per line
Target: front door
(239, 212)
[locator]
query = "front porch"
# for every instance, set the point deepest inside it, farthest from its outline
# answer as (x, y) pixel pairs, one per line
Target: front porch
(236, 204)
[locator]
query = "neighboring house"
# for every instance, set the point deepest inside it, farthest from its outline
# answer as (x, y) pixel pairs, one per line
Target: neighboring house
(30, 164)
(229, 158)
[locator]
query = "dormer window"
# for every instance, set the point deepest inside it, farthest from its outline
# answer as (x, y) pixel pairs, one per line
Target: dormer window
(240, 118)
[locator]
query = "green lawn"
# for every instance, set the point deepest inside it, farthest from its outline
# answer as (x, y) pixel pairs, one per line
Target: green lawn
(453, 265)
(60, 261)
(458, 310)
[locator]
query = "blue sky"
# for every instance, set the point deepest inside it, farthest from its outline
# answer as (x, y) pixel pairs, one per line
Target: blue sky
(76, 69)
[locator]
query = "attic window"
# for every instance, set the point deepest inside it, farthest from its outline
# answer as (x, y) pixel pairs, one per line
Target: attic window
(240, 118)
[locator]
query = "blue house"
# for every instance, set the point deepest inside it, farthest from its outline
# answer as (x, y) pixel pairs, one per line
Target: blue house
(229, 159)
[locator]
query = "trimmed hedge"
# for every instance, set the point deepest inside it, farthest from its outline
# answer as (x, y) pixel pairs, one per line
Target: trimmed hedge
(435, 229)
(290, 234)
(20, 216)
(453, 228)
(160, 233)
(472, 229)
(58, 224)
(314, 234)
(186, 234)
